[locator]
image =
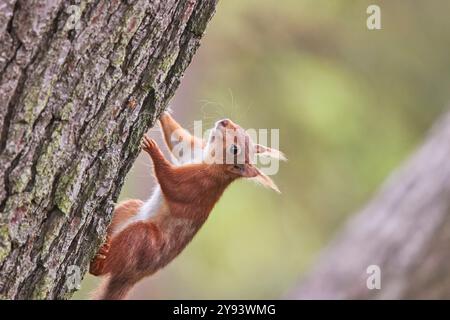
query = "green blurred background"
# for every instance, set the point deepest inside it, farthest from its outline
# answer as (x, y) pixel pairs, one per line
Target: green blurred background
(350, 103)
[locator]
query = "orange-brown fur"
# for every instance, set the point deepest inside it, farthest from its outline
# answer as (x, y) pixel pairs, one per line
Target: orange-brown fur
(136, 249)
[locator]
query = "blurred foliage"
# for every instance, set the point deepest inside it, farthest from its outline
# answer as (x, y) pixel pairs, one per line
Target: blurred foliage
(350, 103)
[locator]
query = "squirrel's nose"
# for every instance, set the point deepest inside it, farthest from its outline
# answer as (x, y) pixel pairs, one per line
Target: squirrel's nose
(224, 123)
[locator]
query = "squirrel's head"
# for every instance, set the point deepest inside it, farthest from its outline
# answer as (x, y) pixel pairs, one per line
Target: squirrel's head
(231, 147)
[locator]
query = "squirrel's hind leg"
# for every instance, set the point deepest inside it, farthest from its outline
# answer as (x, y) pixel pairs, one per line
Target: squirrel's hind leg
(123, 212)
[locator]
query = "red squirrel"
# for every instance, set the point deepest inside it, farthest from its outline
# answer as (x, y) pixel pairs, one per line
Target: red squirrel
(143, 237)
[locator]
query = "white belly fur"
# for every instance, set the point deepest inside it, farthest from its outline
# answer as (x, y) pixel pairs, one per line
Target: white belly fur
(149, 209)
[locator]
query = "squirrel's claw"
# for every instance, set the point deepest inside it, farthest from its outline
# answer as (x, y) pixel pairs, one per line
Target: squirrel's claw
(98, 263)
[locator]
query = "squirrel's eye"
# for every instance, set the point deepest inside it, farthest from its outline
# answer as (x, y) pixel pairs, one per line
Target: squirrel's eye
(234, 149)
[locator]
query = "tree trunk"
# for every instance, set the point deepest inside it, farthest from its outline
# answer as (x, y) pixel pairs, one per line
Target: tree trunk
(79, 86)
(405, 231)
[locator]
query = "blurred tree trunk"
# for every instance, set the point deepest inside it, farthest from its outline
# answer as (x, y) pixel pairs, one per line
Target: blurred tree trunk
(80, 83)
(405, 230)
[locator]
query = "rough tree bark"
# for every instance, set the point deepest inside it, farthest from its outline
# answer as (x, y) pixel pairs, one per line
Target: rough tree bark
(75, 100)
(405, 230)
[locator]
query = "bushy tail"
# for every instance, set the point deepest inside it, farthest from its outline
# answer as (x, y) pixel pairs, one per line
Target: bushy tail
(112, 288)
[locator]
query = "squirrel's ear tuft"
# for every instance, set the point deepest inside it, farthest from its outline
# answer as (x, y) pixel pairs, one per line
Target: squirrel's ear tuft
(253, 173)
(269, 152)
(265, 181)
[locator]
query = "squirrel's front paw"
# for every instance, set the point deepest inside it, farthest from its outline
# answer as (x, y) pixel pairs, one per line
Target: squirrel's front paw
(148, 144)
